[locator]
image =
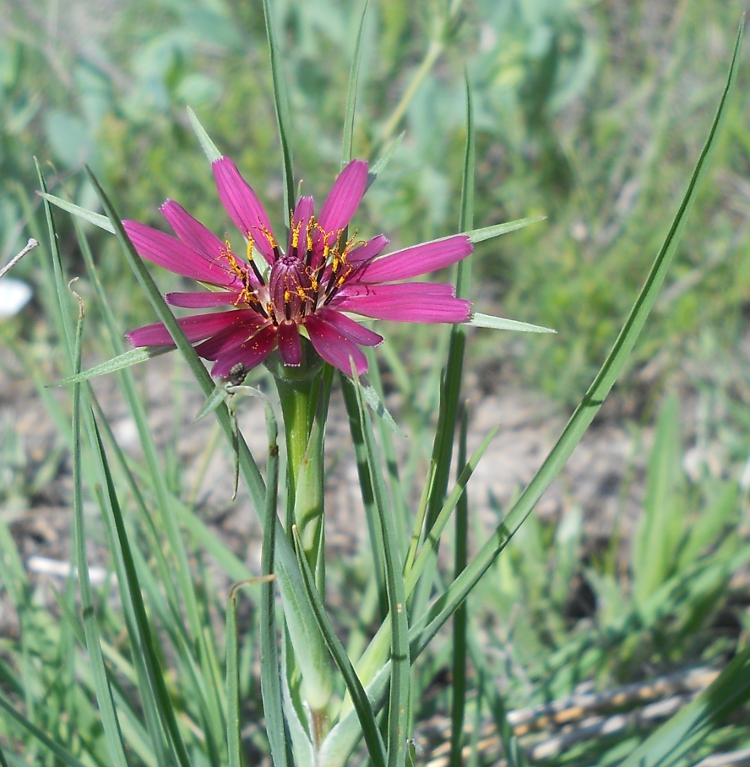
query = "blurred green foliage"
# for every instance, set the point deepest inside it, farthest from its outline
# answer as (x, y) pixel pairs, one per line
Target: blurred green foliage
(589, 111)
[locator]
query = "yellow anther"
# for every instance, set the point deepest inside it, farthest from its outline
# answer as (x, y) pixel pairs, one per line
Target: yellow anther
(287, 296)
(269, 236)
(295, 234)
(250, 243)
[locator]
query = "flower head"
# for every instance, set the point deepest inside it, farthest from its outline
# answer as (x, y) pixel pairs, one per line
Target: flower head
(310, 288)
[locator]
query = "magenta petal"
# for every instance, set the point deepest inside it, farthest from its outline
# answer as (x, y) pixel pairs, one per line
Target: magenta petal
(290, 348)
(250, 353)
(397, 291)
(370, 249)
(344, 197)
(222, 342)
(196, 328)
(202, 300)
(333, 346)
(417, 260)
(174, 255)
(300, 221)
(351, 329)
(194, 234)
(419, 307)
(244, 207)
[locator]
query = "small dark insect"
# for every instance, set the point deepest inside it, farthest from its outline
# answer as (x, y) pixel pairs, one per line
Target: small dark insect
(237, 374)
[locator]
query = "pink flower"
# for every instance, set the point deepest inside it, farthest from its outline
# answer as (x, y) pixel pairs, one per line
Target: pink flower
(310, 288)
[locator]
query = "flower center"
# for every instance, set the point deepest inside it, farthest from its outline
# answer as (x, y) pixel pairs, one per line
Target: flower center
(291, 288)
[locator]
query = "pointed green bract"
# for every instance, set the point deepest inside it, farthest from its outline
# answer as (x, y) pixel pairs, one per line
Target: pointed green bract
(385, 158)
(122, 361)
(496, 230)
(351, 96)
(217, 397)
(478, 320)
(208, 146)
(281, 103)
(86, 215)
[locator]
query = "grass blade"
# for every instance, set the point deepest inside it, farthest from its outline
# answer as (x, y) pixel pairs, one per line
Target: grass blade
(281, 104)
(110, 721)
(40, 735)
(351, 96)
(270, 670)
(672, 741)
(356, 428)
(460, 618)
(87, 215)
(357, 692)
(343, 737)
(400, 663)
(443, 608)
(384, 159)
(143, 637)
(442, 450)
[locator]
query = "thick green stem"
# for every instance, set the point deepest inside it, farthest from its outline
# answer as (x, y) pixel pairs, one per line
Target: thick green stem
(298, 408)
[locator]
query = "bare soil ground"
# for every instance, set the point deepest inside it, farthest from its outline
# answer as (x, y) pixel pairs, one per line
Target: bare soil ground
(529, 425)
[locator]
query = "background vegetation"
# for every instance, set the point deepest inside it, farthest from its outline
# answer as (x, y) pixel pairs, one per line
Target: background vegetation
(592, 113)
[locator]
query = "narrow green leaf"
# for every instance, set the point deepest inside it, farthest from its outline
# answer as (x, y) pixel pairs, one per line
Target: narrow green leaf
(676, 737)
(500, 323)
(281, 104)
(659, 530)
(234, 727)
(362, 705)
(401, 506)
(62, 322)
(207, 145)
(270, 671)
(460, 617)
(511, 748)
(385, 158)
(351, 95)
(39, 734)
(130, 592)
(400, 664)
(428, 552)
(234, 721)
(490, 232)
(176, 576)
(87, 215)
(450, 389)
(125, 360)
(444, 606)
(356, 429)
(343, 737)
(110, 721)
